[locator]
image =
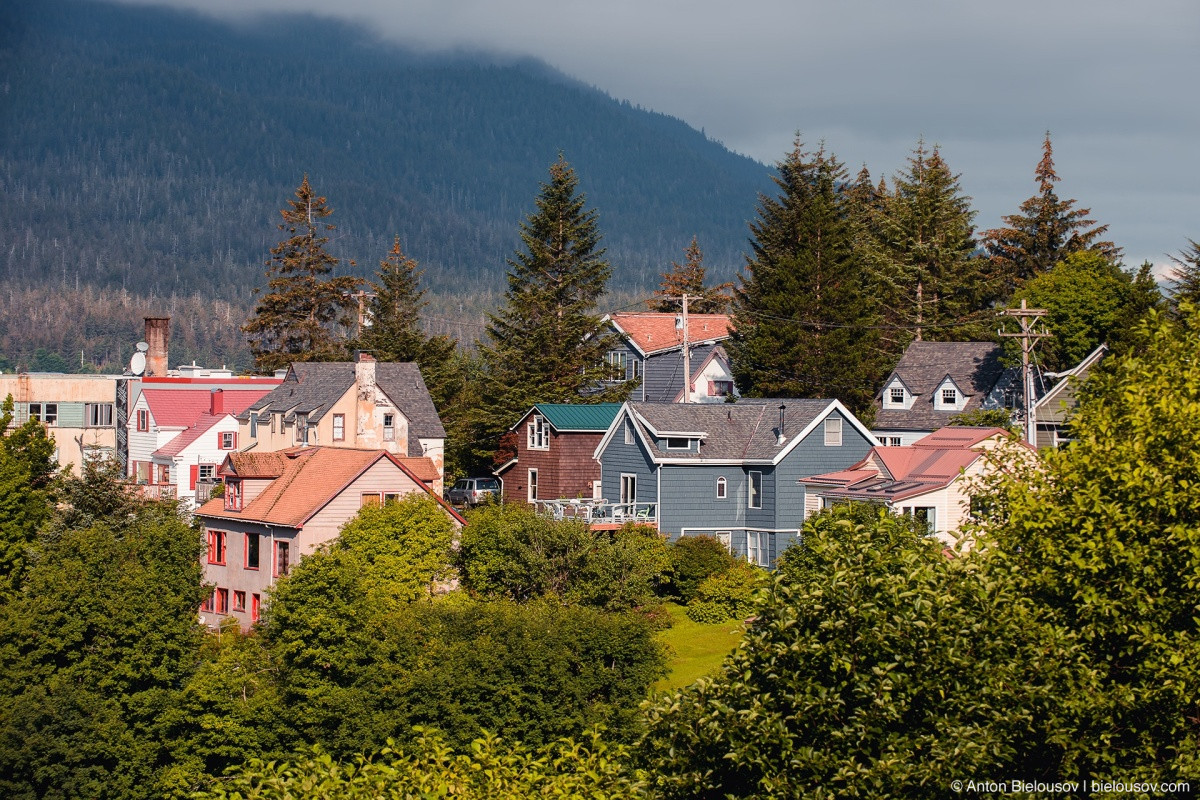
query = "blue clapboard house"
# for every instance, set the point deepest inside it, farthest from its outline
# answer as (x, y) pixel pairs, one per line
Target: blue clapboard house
(730, 470)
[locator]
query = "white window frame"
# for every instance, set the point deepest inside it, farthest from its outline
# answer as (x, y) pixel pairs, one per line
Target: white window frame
(895, 396)
(339, 427)
(725, 538)
(98, 415)
(950, 396)
(628, 432)
(833, 431)
(389, 427)
(206, 472)
(753, 491)
(687, 443)
(758, 548)
(628, 488)
(531, 488)
(46, 413)
(538, 433)
(228, 440)
(618, 365)
(722, 488)
(895, 441)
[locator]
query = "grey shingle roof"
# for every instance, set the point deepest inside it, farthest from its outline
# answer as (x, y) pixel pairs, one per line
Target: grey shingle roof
(313, 387)
(974, 366)
(744, 431)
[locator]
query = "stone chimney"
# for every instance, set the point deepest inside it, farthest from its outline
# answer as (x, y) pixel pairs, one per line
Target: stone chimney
(364, 385)
(216, 402)
(158, 331)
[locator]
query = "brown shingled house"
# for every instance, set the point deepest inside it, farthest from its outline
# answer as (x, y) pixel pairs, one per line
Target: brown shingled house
(281, 505)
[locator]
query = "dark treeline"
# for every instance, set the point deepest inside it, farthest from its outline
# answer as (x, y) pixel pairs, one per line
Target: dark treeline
(146, 150)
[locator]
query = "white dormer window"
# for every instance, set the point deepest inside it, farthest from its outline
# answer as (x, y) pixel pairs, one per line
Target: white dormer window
(678, 443)
(538, 433)
(895, 396)
(949, 397)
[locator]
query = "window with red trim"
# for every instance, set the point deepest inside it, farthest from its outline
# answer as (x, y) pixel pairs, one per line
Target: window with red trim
(251, 550)
(207, 605)
(239, 601)
(222, 598)
(283, 559)
(143, 420)
(233, 495)
(216, 547)
(255, 605)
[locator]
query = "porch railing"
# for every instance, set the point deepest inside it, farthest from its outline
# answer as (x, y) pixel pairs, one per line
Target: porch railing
(599, 511)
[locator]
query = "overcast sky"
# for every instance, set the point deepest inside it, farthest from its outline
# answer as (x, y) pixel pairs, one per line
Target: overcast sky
(1114, 81)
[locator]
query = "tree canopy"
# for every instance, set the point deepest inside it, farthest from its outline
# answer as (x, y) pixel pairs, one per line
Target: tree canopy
(688, 278)
(297, 317)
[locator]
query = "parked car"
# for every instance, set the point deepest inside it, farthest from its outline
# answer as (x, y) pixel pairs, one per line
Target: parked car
(472, 491)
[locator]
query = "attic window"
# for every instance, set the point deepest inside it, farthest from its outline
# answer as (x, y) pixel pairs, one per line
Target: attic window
(896, 394)
(539, 433)
(679, 443)
(389, 427)
(833, 432)
(949, 397)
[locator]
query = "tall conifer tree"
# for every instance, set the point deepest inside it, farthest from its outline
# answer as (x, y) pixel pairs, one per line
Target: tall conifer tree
(1046, 231)
(933, 281)
(1186, 281)
(688, 278)
(298, 316)
(545, 344)
(806, 320)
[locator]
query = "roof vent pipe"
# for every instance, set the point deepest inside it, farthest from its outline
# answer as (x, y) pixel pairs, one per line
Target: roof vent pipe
(782, 409)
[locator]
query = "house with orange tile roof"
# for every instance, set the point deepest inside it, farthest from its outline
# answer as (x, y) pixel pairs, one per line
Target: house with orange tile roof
(180, 432)
(928, 479)
(650, 348)
(280, 506)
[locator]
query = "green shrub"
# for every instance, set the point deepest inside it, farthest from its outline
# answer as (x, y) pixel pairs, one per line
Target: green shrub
(731, 591)
(707, 612)
(695, 558)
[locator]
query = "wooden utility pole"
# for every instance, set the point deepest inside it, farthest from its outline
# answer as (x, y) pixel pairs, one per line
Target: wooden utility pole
(1029, 337)
(687, 356)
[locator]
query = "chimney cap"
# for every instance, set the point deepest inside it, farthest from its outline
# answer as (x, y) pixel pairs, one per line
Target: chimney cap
(363, 355)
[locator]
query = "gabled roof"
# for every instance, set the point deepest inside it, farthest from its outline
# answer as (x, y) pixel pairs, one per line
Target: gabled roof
(313, 387)
(653, 331)
(181, 408)
(1077, 372)
(746, 431)
(975, 367)
(575, 417)
(203, 425)
(307, 479)
(930, 464)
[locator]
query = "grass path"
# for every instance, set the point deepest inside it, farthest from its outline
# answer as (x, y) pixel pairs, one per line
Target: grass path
(696, 649)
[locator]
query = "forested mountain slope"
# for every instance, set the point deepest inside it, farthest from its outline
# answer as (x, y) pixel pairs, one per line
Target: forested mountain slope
(150, 150)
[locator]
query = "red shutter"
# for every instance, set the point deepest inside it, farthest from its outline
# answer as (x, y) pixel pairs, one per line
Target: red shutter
(195, 473)
(234, 446)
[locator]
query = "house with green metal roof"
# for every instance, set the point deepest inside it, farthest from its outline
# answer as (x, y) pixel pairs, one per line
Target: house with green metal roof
(553, 446)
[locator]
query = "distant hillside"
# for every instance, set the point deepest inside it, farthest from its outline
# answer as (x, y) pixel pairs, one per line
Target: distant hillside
(150, 150)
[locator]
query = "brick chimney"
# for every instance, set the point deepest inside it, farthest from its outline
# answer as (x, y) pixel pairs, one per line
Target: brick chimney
(158, 331)
(364, 384)
(216, 402)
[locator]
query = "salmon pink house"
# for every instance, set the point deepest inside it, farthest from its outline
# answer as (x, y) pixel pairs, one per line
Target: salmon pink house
(280, 506)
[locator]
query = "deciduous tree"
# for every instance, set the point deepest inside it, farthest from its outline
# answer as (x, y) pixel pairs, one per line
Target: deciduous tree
(299, 315)
(688, 278)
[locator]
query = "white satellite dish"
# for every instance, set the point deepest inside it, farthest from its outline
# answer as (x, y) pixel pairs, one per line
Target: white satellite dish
(142, 347)
(137, 364)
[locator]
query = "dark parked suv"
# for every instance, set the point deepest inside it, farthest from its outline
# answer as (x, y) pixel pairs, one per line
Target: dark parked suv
(472, 491)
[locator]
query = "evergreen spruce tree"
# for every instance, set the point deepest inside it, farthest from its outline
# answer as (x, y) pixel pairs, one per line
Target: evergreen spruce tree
(1186, 282)
(395, 334)
(688, 278)
(933, 280)
(806, 318)
(298, 316)
(1046, 231)
(545, 344)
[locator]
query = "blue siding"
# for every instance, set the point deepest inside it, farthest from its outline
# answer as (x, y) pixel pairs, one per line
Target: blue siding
(812, 457)
(618, 458)
(689, 498)
(663, 379)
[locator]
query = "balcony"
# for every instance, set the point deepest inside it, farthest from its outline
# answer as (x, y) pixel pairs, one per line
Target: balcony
(204, 490)
(599, 513)
(158, 491)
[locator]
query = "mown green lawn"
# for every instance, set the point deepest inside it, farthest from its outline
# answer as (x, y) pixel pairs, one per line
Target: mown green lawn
(696, 650)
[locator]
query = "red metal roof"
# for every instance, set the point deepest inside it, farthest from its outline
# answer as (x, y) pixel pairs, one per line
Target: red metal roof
(181, 408)
(655, 331)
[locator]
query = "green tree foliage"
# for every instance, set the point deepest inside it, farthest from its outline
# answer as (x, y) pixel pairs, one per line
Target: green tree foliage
(508, 551)
(688, 278)
(924, 242)
(1106, 542)
(489, 769)
(730, 594)
(877, 667)
(1043, 233)
(1186, 281)
(1090, 301)
(985, 418)
(395, 334)
(695, 558)
(26, 471)
(296, 318)
(93, 650)
(545, 344)
(805, 316)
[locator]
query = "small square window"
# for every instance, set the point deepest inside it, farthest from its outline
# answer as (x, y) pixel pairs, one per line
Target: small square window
(894, 441)
(897, 395)
(45, 413)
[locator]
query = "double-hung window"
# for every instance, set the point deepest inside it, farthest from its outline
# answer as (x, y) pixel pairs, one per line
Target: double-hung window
(833, 432)
(99, 415)
(538, 433)
(233, 495)
(227, 440)
(389, 427)
(45, 413)
(216, 547)
(252, 550)
(283, 558)
(754, 490)
(339, 427)
(143, 419)
(618, 365)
